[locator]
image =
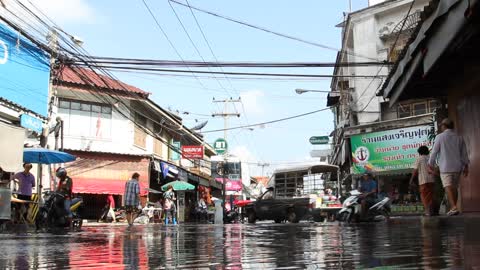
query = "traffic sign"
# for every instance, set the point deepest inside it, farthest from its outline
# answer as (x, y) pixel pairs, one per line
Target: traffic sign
(319, 140)
(220, 146)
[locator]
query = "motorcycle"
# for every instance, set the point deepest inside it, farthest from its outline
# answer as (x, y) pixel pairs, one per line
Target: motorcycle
(232, 216)
(351, 209)
(53, 214)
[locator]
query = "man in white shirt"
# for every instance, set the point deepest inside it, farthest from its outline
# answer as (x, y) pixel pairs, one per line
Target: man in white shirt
(451, 151)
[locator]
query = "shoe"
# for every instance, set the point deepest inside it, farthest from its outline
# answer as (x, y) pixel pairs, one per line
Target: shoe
(453, 212)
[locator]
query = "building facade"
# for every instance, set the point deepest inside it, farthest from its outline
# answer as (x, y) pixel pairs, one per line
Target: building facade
(441, 60)
(115, 129)
(372, 40)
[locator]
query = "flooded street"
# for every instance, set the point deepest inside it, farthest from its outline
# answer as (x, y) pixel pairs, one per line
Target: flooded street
(406, 243)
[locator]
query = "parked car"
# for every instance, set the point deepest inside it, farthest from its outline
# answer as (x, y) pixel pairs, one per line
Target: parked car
(267, 207)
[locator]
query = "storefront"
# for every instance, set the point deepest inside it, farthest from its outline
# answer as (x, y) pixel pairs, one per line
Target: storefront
(442, 61)
(389, 156)
(96, 175)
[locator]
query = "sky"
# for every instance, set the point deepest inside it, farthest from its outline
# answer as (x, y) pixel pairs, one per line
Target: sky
(126, 29)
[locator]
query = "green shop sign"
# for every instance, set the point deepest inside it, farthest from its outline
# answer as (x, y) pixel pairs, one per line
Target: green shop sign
(388, 150)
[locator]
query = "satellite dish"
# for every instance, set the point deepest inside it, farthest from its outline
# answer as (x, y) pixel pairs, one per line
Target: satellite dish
(200, 126)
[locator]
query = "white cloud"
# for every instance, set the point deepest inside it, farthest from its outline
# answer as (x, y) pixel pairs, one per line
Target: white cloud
(252, 101)
(66, 11)
(243, 153)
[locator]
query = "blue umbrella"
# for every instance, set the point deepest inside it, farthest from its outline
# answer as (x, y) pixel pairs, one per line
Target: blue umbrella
(45, 156)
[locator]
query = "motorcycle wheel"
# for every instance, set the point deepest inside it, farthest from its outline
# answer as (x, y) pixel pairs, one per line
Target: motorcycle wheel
(292, 217)
(41, 221)
(345, 217)
(77, 223)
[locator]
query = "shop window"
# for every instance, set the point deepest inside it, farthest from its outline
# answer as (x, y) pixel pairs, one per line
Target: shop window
(85, 119)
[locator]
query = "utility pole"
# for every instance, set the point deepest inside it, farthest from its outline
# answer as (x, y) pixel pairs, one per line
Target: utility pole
(225, 114)
(263, 165)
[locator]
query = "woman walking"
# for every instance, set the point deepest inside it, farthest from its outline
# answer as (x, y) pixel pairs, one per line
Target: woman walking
(169, 206)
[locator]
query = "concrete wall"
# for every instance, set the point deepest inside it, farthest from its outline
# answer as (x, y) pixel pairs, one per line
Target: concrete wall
(121, 137)
(464, 109)
(368, 28)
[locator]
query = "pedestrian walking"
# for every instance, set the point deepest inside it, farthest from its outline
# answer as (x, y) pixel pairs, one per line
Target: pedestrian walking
(169, 206)
(132, 197)
(426, 181)
(451, 152)
(111, 207)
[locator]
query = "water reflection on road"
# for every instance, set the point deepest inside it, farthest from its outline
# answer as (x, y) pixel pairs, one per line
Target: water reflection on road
(402, 243)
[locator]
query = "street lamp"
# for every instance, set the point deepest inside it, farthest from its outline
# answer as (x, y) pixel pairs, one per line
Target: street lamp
(301, 91)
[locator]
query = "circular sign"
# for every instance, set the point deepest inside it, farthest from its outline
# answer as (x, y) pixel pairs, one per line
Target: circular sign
(220, 146)
(362, 155)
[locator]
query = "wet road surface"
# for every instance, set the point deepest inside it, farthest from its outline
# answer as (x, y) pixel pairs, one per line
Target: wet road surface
(405, 243)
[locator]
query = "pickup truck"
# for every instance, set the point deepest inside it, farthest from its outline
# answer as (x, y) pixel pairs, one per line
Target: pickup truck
(267, 207)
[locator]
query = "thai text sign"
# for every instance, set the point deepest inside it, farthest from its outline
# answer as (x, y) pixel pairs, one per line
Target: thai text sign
(388, 150)
(192, 151)
(24, 71)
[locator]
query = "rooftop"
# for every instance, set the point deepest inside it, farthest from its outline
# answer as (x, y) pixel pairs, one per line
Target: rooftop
(88, 77)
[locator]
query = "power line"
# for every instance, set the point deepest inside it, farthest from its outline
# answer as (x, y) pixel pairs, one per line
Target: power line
(269, 122)
(168, 39)
(192, 42)
(235, 73)
(267, 30)
(114, 97)
(246, 64)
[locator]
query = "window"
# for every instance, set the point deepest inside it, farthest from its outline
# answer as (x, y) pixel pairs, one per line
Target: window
(417, 108)
(404, 110)
(433, 105)
(139, 136)
(420, 108)
(85, 119)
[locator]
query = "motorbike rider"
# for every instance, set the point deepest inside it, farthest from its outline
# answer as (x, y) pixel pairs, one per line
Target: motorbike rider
(368, 188)
(65, 188)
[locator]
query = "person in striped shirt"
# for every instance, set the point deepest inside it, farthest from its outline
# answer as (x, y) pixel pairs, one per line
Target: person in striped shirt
(132, 197)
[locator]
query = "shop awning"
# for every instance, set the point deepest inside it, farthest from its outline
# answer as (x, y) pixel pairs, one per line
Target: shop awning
(444, 21)
(11, 143)
(106, 173)
(102, 186)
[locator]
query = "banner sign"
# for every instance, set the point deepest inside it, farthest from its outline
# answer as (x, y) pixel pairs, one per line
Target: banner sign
(388, 150)
(24, 71)
(192, 151)
(31, 122)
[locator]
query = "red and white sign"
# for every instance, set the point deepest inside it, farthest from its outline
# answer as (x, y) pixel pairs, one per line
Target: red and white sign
(232, 185)
(192, 151)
